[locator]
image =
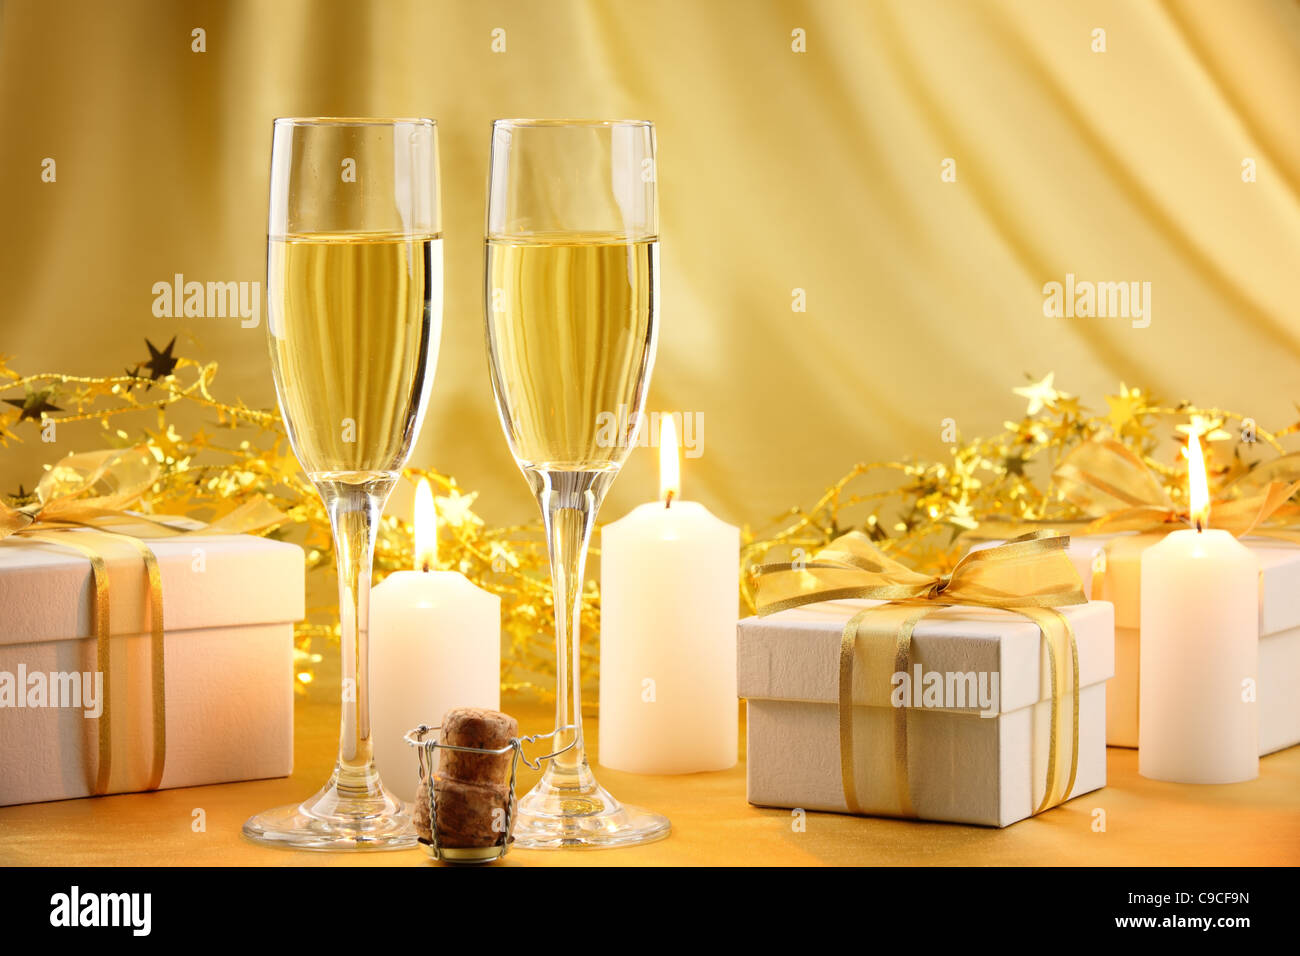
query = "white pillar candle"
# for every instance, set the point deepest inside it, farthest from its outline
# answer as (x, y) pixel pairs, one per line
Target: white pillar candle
(1199, 652)
(670, 582)
(435, 644)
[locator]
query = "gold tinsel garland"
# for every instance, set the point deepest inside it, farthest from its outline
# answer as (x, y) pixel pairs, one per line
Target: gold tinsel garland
(924, 511)
(917, 510)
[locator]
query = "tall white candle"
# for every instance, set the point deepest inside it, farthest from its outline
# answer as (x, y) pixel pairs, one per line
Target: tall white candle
(435, 644)
(1199, 651)
(669, 588)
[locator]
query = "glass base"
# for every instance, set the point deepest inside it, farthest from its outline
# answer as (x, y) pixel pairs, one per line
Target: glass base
(332, 821)
(581, 814)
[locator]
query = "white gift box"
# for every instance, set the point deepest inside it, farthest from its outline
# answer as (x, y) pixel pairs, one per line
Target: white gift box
(962, 767)
(1278, 681)
(229, 603)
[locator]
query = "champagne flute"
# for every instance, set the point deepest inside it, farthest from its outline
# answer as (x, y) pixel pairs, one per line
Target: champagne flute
(354, 296)
(571, 305)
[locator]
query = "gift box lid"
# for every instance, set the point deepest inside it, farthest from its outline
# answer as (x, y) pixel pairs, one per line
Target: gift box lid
(1279, 576)
(207, 581)
(794, 654)
(1279, 590)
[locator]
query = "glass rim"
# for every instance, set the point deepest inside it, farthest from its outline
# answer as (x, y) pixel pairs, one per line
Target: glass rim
(575, 123)
(355, 121)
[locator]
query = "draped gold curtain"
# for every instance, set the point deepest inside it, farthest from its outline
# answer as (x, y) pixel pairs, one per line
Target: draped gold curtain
(779, 170)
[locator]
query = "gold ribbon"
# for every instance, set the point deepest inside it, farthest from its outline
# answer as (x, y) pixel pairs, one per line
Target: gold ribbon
(1030, 576)
(1115, 489)
(88, 495)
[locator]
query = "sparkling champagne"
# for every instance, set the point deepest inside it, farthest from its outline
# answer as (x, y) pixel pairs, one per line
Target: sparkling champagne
(571, 325)
(354, 322)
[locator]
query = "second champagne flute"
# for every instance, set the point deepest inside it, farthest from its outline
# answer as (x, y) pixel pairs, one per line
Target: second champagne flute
(572, 304)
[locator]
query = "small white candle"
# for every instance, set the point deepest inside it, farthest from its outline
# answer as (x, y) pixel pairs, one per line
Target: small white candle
(1199, 651)
(435, 644)
(670, 581)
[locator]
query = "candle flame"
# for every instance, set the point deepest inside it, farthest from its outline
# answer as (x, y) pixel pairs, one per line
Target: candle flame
(670, 476)
(426, 528)
(1198, 491)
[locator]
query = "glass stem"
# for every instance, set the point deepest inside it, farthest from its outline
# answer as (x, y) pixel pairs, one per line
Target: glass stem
(354, 509)
(569, 503)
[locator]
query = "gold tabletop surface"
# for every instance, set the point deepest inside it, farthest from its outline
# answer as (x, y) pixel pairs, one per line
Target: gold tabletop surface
(1147, 823)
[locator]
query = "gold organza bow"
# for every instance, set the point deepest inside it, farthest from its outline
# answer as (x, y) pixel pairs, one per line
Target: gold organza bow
(1030, 576)
(1114, 487)
(80, 500)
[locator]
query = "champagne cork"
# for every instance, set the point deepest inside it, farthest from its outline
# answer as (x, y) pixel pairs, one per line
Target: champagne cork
(471, 791)
(470, 815)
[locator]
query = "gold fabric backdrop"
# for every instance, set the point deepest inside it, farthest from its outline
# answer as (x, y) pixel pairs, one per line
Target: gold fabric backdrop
(779, 170)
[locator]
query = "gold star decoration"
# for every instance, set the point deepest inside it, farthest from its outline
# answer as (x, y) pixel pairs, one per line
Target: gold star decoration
(161, 363)
(962, 516)
(35, 405)
(1072, 422)
(873, 529)
(1069, 406)
(282, 464)
(502, 557)
(1041, 394)
(1125, 410)
(455, 509)
(1030, 431)
(167, 445)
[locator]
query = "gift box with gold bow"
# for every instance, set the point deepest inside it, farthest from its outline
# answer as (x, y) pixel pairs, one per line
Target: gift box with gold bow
(1111, 567)
(976, 698)
(1131, 512)
(136, 652)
